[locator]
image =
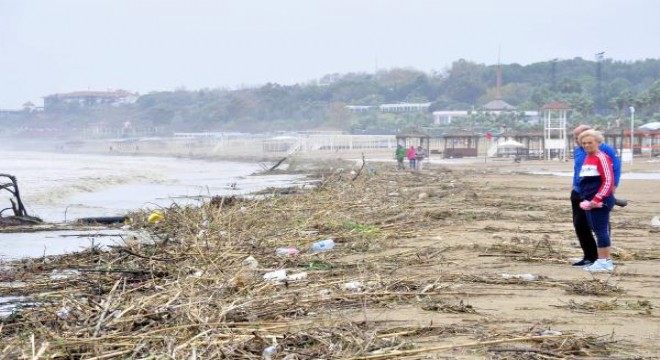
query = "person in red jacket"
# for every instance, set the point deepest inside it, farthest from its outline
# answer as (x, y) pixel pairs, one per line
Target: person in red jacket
(412, 158)
(596, 190)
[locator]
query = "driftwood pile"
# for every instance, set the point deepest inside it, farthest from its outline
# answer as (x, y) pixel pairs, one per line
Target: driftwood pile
(195, 287)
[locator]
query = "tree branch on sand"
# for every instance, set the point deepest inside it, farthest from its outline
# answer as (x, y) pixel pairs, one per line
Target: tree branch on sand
(20, 214)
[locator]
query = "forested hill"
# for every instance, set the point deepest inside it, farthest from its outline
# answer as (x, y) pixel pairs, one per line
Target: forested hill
(597, 90)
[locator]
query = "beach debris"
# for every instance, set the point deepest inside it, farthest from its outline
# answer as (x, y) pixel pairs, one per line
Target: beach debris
(251, 263)
(20, 216)
(281, 275)
(287, 252)
(277, 275)
(550, 333)
(152, 305)
(526, 277)
(655, 221)
(353, 286)
(297, 276)
(308, 232)
(155, 217)
(196, 273)
(13, 284)
(323, 245)
(62, 274)
(106, 220)
(269, 352)
(63, 312)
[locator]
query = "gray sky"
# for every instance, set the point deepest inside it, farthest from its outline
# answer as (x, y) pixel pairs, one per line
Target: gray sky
(54, 46)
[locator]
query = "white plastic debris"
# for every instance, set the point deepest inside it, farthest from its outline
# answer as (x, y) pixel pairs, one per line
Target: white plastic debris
(63, 313)
(269, 352)
(250, 262)
(297, 276)
(353, 286)
(550, 333)
(195, 273)
(655, 221)
(526, 277)
(277, 275)
(62, 274)
(287, 252)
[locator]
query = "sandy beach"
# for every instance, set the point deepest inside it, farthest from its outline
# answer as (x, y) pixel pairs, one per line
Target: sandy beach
(466, 260)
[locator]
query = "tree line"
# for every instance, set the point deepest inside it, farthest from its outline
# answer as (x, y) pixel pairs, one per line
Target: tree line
(599, 92)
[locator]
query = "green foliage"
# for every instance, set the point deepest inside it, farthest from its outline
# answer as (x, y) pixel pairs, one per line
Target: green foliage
(321, 104)
(360, 228)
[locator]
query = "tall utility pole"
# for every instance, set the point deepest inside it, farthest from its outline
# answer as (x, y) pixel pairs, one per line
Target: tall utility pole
(599, 82)
(553, 74)
(632, 133)
(498, 94)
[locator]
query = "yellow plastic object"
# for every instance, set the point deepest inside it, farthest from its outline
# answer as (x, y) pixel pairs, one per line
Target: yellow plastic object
(155, 217)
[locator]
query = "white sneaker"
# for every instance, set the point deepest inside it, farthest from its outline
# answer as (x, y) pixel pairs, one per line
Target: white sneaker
(601, 265)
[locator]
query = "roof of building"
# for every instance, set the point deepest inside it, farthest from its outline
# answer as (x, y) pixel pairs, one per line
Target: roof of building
(99, 94)
(652, 126)
(412, 133)
(498, 105)
(556, 105)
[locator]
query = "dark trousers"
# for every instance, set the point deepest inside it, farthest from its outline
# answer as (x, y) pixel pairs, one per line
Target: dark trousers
(599, 222)
(582, 229)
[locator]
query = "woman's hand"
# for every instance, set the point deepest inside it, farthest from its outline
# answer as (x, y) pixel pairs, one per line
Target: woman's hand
(595, 205)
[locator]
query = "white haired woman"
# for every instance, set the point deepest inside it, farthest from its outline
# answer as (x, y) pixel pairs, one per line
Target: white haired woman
(596, 187)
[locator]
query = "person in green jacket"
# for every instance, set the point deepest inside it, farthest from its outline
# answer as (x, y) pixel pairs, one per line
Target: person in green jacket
(400, 154)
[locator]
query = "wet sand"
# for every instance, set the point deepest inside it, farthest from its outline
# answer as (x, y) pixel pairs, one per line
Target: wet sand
(499, 222)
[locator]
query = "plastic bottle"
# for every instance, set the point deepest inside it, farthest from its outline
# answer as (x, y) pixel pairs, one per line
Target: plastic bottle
(269, 352)
(286, 251)
(323, 245)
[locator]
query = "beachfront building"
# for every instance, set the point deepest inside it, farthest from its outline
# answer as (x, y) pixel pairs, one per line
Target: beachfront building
(90, 98)
(391, 108)
(405, 107)
(494, 108)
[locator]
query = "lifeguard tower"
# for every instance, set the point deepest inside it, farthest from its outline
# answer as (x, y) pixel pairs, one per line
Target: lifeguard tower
(555, 143)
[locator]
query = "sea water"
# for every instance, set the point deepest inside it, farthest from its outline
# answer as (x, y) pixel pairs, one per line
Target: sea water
(61, 187)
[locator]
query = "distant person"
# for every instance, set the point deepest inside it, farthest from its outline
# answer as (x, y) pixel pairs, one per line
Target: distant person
(411, 154)
(580, 222)
(597, 191)
(400, 154)
(420, 154)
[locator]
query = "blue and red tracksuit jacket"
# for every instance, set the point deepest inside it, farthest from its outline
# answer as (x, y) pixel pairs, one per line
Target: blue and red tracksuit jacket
(596, 177)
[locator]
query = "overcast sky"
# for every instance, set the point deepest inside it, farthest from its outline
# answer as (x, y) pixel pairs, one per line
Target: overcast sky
(55, 46)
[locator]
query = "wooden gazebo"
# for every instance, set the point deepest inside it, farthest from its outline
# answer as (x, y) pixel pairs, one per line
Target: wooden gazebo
(461, 143)
(533, 141)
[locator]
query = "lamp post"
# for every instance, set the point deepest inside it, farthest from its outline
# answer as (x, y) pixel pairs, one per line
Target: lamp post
(632, 133)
